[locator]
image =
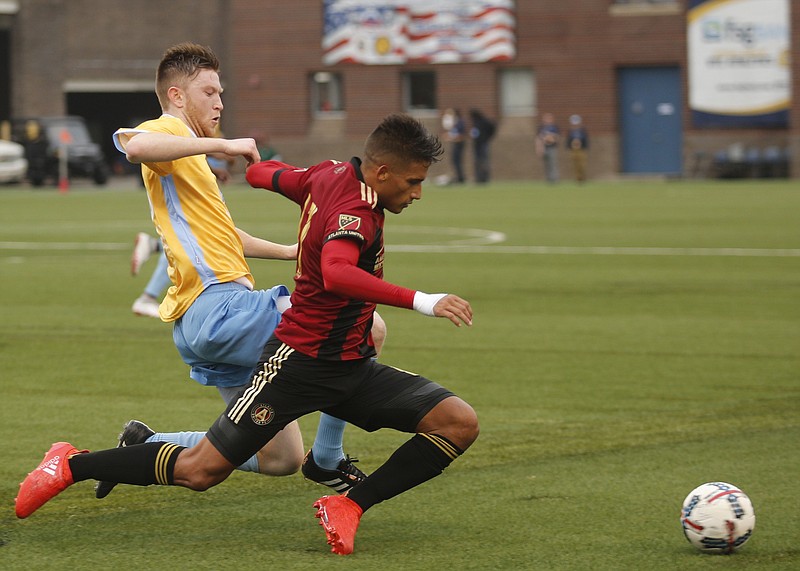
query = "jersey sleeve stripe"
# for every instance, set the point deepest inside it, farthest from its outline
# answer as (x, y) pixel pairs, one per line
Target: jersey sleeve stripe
(276, 184)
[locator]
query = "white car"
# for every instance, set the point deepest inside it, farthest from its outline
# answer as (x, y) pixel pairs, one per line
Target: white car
(13, 164)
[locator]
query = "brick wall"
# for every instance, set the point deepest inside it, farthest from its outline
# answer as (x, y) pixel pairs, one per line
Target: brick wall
(574, 56)
(269, 50)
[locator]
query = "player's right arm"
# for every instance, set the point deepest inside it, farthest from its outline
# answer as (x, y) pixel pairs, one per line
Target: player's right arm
(155, 147)
(342, 276)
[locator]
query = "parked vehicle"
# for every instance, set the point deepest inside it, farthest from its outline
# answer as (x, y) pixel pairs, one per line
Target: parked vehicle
(46, 137)
(13, 164)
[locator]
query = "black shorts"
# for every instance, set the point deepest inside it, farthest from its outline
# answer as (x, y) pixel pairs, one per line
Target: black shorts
(287, 385)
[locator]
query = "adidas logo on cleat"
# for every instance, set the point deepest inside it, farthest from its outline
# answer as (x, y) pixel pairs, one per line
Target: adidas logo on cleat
(51, 465)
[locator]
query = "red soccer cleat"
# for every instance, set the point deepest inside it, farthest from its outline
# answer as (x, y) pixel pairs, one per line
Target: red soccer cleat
(339, 516)
(47, 481)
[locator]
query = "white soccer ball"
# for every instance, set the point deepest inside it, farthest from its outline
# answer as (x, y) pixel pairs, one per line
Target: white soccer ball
(717, 517)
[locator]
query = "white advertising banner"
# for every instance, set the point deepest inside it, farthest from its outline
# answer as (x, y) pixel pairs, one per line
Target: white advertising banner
(739, 61)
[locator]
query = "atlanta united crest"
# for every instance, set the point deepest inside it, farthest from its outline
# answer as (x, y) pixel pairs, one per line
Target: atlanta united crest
(262, 414)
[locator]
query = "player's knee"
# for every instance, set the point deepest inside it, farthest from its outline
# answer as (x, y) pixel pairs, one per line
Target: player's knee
(285, 464)
(469, 427)
(283, 454)
(454, 419)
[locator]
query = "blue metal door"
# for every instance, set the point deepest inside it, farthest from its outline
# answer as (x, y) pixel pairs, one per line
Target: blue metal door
(650, 112)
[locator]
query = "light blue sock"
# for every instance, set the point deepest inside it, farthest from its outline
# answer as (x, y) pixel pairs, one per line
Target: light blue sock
(189, 439)
(159, 281)
(327, 448)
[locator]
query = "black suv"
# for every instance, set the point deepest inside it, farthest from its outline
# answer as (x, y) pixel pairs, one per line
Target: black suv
(44, 136)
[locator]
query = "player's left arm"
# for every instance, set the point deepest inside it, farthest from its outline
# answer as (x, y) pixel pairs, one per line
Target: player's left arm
(260, 248)
(341, 275)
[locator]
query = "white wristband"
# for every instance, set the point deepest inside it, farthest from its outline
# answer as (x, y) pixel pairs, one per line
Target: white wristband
(424, 302)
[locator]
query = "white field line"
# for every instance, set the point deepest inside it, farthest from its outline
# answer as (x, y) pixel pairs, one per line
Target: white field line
(43, 246)
(468, 241)
(600, 251)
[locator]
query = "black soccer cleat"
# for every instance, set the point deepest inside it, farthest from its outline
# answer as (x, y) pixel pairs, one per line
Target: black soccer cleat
(134, 432)
(342, 479)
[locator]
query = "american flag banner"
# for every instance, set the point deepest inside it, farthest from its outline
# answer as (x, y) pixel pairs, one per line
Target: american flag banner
(384, 32)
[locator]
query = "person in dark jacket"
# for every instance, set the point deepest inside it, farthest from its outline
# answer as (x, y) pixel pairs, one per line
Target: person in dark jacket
(481, 133)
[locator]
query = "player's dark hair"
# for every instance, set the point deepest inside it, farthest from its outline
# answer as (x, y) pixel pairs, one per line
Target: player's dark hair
(182, 62)
(402, 138)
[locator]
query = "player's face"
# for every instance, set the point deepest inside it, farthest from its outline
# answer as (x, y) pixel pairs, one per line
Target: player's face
(400, 185)
(203, 107)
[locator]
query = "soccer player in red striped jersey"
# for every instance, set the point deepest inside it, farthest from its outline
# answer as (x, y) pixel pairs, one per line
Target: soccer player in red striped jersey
(319, 356)
(338, 282)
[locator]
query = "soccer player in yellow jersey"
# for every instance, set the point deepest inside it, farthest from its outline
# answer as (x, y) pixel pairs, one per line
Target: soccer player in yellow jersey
(221, 322)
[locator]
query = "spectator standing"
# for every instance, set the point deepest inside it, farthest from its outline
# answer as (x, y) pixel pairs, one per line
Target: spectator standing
(547, 139)
(482, 132)
(577, 143)
(456, 134)
(35, 153)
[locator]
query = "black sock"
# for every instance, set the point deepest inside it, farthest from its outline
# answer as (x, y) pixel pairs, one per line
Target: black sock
(418, 460)
(140, 464)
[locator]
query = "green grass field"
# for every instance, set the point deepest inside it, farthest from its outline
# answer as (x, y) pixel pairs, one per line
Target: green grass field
(631, 341)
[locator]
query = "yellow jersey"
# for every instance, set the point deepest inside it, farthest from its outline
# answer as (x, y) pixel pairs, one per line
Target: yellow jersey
(192, 219)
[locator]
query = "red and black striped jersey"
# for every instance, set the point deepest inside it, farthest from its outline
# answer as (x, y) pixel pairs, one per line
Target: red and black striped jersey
(336, 204)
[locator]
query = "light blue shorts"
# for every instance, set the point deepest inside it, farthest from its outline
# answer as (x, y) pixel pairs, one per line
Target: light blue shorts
(222, 334)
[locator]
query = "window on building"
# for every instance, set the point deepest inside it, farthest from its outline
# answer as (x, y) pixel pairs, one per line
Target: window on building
(419, 90)
(327, 93)
(644, 7)
(517, 92)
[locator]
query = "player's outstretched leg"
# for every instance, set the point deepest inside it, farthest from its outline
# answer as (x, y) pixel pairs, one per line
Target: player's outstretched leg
(339, 516)
(278, 458)
(48, 480)
(138, 465)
